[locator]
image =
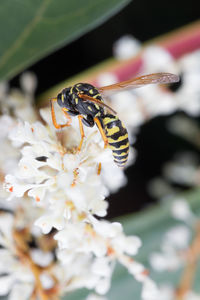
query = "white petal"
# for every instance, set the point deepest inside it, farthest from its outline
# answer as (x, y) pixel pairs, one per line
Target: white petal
(95, 297)
(150, 290)
(21, 291)
(47, 281)
(101, 266)
(103, 286)
(41, 258)
(126, 47)
(181, 210)
(6, 283)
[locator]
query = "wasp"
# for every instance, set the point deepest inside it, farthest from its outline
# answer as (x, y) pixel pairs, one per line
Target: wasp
(86, 101)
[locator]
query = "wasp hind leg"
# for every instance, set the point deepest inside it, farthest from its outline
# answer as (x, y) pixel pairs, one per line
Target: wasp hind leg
(56, 125)
(104, 137)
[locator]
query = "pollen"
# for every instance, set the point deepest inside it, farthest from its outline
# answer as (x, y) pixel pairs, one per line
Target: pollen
(89, 230)
(145, 272)
(110, 251)
(37, 199)
(99, 169)
(11, 189)
(70, 205)
(76, 173)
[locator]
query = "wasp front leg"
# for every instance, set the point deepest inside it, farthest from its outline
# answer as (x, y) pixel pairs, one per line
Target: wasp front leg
(104, 137)
(68, 117)
(81, 131)
(56, 125)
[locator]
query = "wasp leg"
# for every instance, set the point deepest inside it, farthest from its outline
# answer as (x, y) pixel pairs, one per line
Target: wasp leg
(56, 125)
(68, 117)
(81, 131)
(96, 120)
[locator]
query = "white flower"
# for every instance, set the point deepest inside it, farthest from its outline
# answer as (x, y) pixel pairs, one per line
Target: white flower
(191, 295)
(180, 173)
(28, 83)
(106, 79)
(178, 236)
(157, 59)
(150, 290)
(16, 273)
(181, 210)
(175, 240)
(126, 47)
(48, 172)
(21, 291)
(95, 297)
(41, 258)
(68, 188)
(166, 292)
(167, 261)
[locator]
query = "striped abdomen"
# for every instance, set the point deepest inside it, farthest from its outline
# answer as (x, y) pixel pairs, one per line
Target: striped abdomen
(117, 138)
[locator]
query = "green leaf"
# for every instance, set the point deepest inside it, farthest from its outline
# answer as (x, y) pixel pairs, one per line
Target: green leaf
(31, 29)
(150, 226)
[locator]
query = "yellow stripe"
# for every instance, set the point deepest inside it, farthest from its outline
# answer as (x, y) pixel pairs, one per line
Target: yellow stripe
(96, 95)
(112, 130)
(91, 91)
(62, 98)
(121, 160)
(123, 125)
(109, 120)
(65, 109)
(121, 154)
(121, 138)
(76, 100)
(118, 148)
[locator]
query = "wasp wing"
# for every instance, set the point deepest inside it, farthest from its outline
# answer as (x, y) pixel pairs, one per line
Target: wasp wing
(99, 102)
(159, 78)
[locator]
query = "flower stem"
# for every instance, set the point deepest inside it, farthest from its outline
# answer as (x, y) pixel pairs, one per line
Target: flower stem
(21, 238)
(188, 275)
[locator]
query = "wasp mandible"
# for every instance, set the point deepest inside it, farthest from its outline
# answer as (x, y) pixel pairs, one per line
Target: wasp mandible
(86, 101)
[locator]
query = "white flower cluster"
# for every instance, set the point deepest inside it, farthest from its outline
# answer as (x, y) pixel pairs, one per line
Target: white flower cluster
(176, 240)
(151, 101)
(52, 186)
(181, 171)
(179, 250)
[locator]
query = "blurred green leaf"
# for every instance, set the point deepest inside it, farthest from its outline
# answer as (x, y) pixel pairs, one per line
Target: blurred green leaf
(32, 29)
(150, 226)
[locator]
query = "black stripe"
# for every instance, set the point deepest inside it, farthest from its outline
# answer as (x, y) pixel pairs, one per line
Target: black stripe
(114, 123)
(119, 144)
(120, 163)
(115, 135)
(118, 158)
(121, 150)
